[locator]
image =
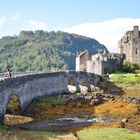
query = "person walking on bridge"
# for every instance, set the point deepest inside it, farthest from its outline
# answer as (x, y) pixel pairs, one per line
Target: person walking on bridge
(8, 73)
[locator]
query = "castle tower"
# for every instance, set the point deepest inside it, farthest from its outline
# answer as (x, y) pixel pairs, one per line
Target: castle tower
(129, 45)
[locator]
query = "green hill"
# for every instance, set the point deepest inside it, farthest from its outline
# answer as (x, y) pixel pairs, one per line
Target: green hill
(47, 51)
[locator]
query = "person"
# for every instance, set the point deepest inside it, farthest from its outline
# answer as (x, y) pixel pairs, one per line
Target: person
(8, 73)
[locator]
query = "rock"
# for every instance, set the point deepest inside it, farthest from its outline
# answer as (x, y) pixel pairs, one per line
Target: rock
(131, 99)
(88, 97)
(135, 101)
(71, 102)
(92, 88)
(108, 96)
(83, 88)
(72, 89)
(94, 102)
(93, 120)
(16, 119)
(124, 120)
(98, 95)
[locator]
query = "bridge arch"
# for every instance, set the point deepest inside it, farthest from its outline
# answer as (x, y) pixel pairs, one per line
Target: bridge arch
(29, 87)
(13, 105)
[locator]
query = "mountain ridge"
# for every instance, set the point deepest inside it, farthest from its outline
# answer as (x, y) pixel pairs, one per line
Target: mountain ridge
(44, 51)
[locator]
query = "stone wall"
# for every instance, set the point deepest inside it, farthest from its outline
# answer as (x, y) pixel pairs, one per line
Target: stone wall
(29, 87)
(104, 63)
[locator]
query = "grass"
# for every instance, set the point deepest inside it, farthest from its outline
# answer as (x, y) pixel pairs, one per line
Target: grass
(33, 135)
(41, 134)
(125, 79)
(86, 134)
(125, 76)
(2, 127)
(107, 134)
(50, 100)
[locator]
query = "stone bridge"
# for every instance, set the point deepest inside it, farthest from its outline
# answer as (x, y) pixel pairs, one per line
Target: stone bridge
(29, 87)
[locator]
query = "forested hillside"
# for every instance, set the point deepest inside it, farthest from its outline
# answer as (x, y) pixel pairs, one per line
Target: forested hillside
(43, 51)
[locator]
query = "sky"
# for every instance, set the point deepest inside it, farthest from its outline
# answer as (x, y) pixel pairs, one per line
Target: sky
(104, 20)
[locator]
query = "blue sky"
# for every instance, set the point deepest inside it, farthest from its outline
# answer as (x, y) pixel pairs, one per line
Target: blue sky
(104, 20)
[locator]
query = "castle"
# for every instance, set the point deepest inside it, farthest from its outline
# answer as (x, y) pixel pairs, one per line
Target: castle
(129, 45)
(104, 62)
(100, 63)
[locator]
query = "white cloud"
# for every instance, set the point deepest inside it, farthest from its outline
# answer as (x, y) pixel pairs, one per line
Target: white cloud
(2, 21)
(16, 16)
(14, 23)
(35, 25)
(108, 32)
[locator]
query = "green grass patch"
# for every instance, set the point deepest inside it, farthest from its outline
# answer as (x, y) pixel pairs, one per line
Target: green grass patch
(53, 100)
(87, 134)
(108, 134)
(125, 79)
(3, 127)
(125, 76)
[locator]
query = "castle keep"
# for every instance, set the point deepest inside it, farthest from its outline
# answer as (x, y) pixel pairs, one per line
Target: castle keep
(129, 45)
(103, 62)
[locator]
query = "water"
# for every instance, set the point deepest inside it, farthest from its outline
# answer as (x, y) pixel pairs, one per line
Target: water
(76, 119)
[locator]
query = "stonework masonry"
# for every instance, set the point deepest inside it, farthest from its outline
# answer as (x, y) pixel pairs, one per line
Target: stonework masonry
(29, 87)
(129, 45)
(100, 63)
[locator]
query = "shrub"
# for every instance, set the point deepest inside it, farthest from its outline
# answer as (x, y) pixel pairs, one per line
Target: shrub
(130, 67)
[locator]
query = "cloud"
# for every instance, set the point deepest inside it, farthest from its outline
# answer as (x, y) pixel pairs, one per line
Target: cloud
(34, 25)
(2, 21)
(14, 23)
(108, 32)
(16, 16)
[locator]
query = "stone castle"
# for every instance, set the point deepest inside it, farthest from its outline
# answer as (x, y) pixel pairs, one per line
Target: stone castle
(104, 62)
(129, 45)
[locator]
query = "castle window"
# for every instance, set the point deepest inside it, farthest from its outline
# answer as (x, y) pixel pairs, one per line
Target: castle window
(136, 51)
